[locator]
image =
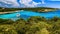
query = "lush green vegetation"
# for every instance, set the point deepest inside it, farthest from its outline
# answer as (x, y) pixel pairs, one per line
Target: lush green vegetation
(36, 9)
(33, 25)
(8, 9)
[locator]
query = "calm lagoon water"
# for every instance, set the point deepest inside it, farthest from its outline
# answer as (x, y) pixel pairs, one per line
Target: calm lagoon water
(27, 14)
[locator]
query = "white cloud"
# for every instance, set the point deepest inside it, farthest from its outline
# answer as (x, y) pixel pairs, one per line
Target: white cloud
(12, 2)
(27, 3)
(34, 3)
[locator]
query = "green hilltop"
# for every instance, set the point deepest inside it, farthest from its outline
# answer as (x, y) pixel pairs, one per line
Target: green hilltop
(36, 9)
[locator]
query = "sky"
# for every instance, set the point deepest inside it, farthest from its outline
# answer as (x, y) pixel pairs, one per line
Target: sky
(30, 3)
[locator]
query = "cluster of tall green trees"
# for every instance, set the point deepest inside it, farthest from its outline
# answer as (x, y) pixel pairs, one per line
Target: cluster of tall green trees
(33, 25)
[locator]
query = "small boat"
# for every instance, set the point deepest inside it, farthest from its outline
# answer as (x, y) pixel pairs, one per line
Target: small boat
(18, 15)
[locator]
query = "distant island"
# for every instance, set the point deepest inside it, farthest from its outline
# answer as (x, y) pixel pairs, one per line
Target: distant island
(36, 9)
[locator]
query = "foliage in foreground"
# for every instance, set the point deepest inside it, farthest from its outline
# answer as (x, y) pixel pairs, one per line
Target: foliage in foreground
(34, 25)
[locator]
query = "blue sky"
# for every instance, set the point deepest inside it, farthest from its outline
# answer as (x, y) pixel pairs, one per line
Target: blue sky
(37, 1)
(30, 3)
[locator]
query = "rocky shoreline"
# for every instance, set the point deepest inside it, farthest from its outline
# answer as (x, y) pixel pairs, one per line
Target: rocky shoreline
(46, 10)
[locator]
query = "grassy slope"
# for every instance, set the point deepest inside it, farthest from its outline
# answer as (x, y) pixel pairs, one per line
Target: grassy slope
(34, 25)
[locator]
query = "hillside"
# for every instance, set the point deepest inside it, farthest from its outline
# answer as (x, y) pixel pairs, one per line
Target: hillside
(38, 9)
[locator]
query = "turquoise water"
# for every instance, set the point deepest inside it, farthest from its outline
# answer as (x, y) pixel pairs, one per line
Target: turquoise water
(27, 14)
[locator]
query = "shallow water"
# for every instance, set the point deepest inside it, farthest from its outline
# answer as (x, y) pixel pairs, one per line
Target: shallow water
(27, 14)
